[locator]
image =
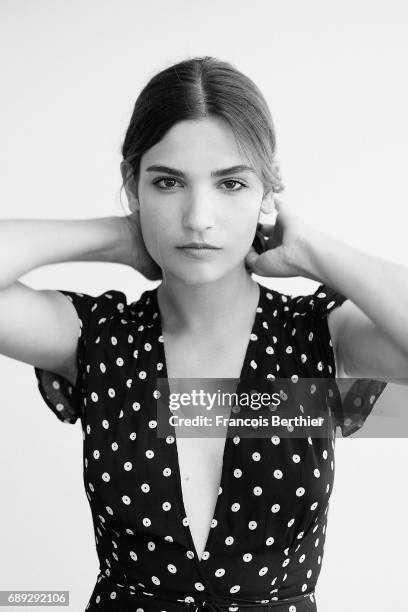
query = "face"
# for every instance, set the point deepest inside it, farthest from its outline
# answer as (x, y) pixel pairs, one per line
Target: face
(187, 202)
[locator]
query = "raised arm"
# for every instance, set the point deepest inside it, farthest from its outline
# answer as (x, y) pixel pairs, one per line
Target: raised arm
(40, 327)
(369, 331)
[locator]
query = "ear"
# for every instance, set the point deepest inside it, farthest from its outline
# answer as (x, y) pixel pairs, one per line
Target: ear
(268, 203)
(130, 185)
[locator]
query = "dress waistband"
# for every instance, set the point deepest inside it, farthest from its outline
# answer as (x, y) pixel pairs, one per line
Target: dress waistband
(300, 603)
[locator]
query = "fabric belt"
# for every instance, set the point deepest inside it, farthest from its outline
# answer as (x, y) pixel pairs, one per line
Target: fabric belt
(133, 598)
(301, 603)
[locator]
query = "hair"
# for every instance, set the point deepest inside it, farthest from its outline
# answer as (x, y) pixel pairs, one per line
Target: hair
(197, 88)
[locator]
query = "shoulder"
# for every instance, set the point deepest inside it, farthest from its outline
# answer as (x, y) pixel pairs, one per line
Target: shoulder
(318, 304)
(311, 321)
(91, 306)
(99, 313)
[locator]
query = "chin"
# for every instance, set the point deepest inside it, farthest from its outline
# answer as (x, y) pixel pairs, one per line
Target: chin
(196, 274)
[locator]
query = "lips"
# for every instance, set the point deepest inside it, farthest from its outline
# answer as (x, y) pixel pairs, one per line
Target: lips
(198, 253)
(198, 245)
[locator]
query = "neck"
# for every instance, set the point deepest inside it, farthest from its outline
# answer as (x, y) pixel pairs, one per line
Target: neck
(205, 307)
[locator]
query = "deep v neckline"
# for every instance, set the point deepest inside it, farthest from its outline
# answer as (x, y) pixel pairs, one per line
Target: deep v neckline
(250, 348)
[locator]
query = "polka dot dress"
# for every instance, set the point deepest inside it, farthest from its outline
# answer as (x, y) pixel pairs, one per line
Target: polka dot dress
(266, 541)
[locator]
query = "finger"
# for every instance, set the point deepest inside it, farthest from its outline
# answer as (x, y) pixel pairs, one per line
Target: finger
(251, 258)
(278, 203)
(270, 264)
(256, 263)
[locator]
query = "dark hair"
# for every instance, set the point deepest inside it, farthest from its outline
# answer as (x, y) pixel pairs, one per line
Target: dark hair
(204, 87)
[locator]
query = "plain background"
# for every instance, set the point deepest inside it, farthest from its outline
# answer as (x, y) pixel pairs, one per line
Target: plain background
(334, 75)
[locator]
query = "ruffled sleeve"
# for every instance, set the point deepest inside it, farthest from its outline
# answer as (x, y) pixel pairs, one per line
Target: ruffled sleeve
(68, 401)
(308, 314)
(357, 402)
(323, 301)
(357, 396)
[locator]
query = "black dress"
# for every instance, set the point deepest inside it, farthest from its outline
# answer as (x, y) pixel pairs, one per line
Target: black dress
(265, 545)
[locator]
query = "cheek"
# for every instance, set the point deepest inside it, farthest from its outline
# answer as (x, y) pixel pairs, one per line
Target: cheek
(245, 232)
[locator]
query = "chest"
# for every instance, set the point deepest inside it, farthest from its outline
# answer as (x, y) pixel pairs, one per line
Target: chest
(201, 458)
(221, 357)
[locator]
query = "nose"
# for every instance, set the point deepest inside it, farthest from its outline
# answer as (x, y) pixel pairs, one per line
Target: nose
(198, 214)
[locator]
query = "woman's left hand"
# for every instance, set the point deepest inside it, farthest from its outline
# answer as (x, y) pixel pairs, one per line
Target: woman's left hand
(286, 242)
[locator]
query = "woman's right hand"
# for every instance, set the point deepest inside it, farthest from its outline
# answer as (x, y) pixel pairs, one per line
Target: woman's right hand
(134, 252)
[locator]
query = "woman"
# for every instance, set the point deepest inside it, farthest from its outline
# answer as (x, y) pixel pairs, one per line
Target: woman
(221, 523)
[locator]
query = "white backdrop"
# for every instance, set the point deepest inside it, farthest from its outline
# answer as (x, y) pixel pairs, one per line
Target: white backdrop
(334, 75)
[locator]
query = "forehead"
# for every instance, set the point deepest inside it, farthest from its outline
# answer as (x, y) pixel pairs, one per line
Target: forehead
(197, 145)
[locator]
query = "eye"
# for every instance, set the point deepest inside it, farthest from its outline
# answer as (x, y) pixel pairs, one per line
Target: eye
(167, 178)
(242, 185)
(163, 178)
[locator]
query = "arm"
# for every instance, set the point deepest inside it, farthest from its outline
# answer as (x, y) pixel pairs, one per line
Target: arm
(40, 327)
(369, 330)
(26, 244)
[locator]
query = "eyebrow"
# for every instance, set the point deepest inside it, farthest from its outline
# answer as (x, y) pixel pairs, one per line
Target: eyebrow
(215, 173)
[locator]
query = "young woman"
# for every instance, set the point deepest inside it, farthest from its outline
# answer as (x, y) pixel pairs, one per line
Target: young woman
(204, 523)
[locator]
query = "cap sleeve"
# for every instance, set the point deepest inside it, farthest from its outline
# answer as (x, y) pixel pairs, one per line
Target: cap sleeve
(357, 397)
(310, 313)
(64, 399)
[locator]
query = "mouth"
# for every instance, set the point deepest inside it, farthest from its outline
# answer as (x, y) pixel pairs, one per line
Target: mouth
(198, 245)
(198, 252)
